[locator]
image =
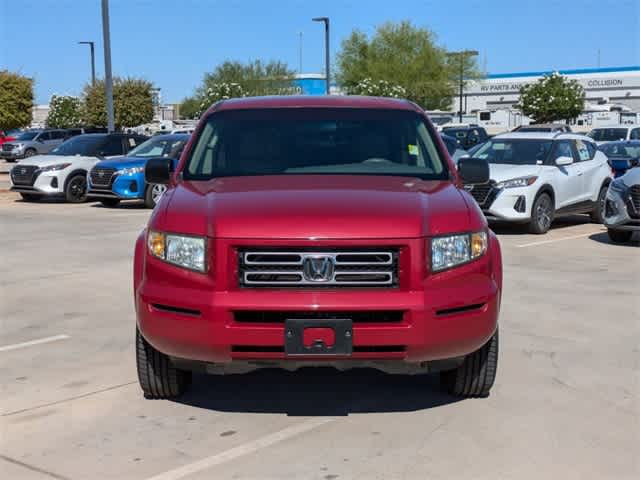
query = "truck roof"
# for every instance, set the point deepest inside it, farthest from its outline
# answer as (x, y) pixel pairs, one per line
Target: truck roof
(313, 101)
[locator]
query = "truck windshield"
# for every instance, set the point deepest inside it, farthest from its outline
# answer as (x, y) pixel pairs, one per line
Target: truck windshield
(608, 134)
(329, 141)
(515, 152)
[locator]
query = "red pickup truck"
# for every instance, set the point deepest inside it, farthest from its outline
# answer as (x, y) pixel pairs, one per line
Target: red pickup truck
(316, 231)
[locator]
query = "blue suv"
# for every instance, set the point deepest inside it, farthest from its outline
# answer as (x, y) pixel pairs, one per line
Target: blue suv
(123, 179)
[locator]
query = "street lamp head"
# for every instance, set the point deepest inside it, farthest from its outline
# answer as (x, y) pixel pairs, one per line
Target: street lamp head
(320, 19)
(86, 43)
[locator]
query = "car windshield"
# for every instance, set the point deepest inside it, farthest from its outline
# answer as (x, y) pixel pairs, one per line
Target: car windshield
(159, 147)
(515, 151)
(329, 141)
(608, 134)
(25, 136)
(621, 150)
(86, 145)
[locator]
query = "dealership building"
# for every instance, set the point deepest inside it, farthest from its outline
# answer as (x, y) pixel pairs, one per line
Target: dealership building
(620, 86)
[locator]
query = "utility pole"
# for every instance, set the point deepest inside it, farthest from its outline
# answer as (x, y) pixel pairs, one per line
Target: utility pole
(300, 53)
(598, 58)
(462, 55)
(93, 61)
(327, 54)
(108, 79)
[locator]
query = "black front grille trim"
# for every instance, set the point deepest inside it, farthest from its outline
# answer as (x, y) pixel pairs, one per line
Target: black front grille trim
(24, 174)
(108, 174)
(391, 316)
(633, 204)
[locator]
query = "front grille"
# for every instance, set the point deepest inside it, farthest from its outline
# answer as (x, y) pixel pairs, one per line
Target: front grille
(390, 316)
(633, 204)
(101, 176)
(7, 147)
(318, 268)
(24, 174)
(483, 193)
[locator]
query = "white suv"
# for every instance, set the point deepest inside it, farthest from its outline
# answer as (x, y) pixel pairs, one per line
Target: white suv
(537, 176)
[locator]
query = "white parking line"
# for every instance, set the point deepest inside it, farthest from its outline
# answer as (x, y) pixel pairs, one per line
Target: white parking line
(544, 242)
(242, 450)
(39, 341)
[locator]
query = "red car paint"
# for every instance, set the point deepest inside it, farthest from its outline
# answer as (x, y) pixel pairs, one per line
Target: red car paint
(4, 138)
(321, 211)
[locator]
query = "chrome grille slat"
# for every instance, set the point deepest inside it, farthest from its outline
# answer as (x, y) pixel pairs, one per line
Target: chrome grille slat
(102, 176)
(286, 268)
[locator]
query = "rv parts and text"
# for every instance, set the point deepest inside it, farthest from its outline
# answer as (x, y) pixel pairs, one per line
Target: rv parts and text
(515, 87)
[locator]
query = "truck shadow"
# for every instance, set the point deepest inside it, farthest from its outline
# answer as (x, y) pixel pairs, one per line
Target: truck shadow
(316, 392)
(604, 238)
(505, 228)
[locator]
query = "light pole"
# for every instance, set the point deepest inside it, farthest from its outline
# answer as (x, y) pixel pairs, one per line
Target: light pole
(327, 61)
(462, 55)
(108, 79)
(93, 61)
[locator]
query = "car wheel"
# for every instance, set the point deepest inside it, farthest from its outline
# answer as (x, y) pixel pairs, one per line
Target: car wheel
(477, 373)
(30, 197)
(110, 202)
(597, 216)
(158, 378)
(30, 152)
(153, 194)
(542, 214)
(76, 189)
(619, 236)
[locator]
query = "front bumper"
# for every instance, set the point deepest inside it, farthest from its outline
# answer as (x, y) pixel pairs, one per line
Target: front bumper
(45, 183)
(506, 205)
(123, 187)
(194, 317)
(12, 155)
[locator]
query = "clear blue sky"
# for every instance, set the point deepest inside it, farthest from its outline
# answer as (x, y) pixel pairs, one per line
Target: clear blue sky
(172, 43)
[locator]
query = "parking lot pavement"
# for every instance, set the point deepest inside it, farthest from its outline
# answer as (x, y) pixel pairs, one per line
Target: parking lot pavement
(566, 403)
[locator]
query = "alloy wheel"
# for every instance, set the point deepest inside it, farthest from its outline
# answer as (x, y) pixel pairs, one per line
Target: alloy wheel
(157, 191)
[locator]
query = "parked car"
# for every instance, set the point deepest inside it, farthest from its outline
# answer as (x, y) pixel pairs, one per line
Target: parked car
(72, 132)
(32, 142)
(538, 176)
(467, 136)
(622, 208)
(453, 147)
(64, 170)
(615, 132)
(123, 178)
(543, 127)
(622, 155)
(316, 231)
(4, 138)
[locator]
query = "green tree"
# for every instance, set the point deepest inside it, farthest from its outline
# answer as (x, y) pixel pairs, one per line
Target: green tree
(16, 100)
(64, 112)
(553, 97)
(381, 88)
(400, 54)
(132, 102)
(190, 108)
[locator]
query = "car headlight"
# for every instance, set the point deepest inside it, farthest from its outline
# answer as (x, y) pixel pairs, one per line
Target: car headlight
(618, 186)
(18, 146)
(183, 251)
(517, 182)
(51, 168)
(452, 250)
(131, 170)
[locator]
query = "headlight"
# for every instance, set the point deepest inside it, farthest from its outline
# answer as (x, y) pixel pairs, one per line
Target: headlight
(18, 146)
(187, 252)
(453, 250)
(51, 168)
(618, 186)
(131, 171)
(517, 182)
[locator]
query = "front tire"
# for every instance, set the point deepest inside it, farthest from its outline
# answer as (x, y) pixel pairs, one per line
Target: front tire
(110, 202)
(619, 236)
(477, 373)
(76, 189)
(30, 197)
(542, 214)
(153, 194)
(157, 376)
(597, 216)
(30, 152)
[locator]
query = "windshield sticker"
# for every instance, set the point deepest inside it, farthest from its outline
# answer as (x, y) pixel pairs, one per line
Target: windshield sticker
(413, 150)
(132, 142)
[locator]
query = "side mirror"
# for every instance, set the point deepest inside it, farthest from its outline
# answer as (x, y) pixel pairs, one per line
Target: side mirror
(473, 170)
(158, 170)
(563, 161)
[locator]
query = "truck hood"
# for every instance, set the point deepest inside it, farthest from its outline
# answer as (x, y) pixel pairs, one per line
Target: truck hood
(77, 161)
(501, 172)
(313, 206)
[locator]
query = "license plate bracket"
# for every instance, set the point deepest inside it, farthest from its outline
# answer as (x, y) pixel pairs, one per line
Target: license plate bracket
(294, 336)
